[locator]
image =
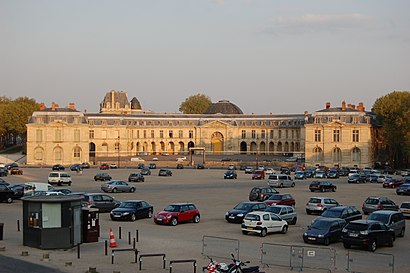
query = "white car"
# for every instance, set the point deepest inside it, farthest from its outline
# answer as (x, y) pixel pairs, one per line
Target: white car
(262, 223)
(269, 171)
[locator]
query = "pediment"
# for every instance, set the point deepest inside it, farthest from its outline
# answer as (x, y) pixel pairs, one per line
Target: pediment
(335, 123)
(216, 124)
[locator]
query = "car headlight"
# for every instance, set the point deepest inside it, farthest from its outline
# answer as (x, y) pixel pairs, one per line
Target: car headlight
(321, 236)
(240, 215)
(169, 216)
(364, 232)
(305, 234)
(125, 213)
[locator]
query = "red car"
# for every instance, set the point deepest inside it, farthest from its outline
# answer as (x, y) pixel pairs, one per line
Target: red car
(392, 183)
(258, 174)
(16, 170)
(104, 167)
(177, 213)
(280, 199)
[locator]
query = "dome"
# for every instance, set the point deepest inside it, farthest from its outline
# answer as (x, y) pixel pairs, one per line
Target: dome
(135, 104)
(223, 107)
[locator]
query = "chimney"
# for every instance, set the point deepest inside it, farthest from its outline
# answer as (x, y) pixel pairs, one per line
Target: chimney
(343, 106)
(327, 105)
(42, 106)
(72, 106)
(53, 106)
(353, 106)
(360, 107)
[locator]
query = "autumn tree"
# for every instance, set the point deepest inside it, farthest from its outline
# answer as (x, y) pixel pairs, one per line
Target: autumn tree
(393, 110)
(196, 104)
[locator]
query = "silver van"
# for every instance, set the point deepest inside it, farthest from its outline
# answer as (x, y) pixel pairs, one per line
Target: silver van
(59, 178)
(393, 220)
(280, 180)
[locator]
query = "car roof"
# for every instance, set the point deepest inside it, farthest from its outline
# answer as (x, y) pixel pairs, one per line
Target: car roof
(260, 212)
(385, 212)
(282, 206)
(179, 204)
(133, 201)
(327, 219)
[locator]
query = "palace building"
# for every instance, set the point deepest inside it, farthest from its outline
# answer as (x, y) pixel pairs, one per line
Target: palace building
(122, 129)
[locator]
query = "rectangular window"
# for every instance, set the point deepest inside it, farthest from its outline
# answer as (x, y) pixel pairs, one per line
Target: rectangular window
(263, 134)
(138, 133)
(39, 135)
(171, 134)
(77, 153)
(243, 134)
(191, 134)
(318, 135)
(91, 134)
(336, 135)
(280, 134)
(355, 136)
(77, 135)
(253, 134)
(117, 134)
(152, 134)
(286, 134)
(145, 133)
(271, 135)
(51, 215)
(180, 134)
(161, 133)
(58, 135)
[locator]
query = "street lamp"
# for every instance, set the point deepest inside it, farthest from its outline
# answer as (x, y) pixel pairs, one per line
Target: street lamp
(118, 149)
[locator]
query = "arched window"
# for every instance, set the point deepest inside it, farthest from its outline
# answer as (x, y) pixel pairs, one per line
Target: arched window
(317, 154)
(337, 155)
(77, 153)
(356, 155)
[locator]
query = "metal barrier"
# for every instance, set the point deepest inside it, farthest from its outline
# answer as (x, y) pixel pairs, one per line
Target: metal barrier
(124, 249)
(364, 261)
(218, 247)
(181, 261)
(298, 257)
(152, 255)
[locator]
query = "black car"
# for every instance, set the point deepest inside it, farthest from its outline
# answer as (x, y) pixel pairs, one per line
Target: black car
(102, 177)
(368, 234)
(58, 167)
(324, 231)
(285, 170)
(237, 214)
(3, 172)
(230, 174)
(18, 190)
(11, 165)
(332, 174)
(180, 166)
(136, 177)
(132, 210)
(322, 186)
(200, 166)
(6, 194)
(356, 178)
(403, 189)
(76, 167)
(85, 165)
(152, 166)
(346, 213)
(261, 193)
(145, 171)
(165, 172)
(101, 201)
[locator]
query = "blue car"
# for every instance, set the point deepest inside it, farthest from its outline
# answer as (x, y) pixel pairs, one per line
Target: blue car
(324, 231)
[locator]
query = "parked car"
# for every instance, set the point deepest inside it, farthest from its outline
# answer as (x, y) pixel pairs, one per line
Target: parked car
(405, 172)
(262, 223)
(261, 193)
(249, 170)
(76, 167)
(322, 186)
(104, 166)
(347, 213)
(85, 165)
(101, 201)
(280, 181)
(287, 213)
(383, 178)
(324, 231)
(11, 165)
(230, 174)
(300, 175)
(269, 171)
(145, 171)
(4, 172)
(18, 190)
(320, 174)
(374, 203)
(64, 191)
(333, 173)
(152, 166)
(177, 213)
(237, 214)
(164, 172)
(372, 178)
(356, 178)
(140, 165)
(113, 166)
(392, 183)
(136, 177)
(132, 210)
(200, 166)
(59, 178)
(280, 199)
(16, 171)
(392, 219)
(368, 234)
(117, 186)
(102, 177)
(284, 170)
(320, 204)
(258, 174)
(405, 209)
(231, 167)
(6, 194)
(180, 166)
(58, 167)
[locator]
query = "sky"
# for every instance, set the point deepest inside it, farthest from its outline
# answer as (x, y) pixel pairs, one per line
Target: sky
(265, 56)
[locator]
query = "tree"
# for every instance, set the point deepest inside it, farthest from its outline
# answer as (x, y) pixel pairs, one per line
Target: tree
(393, 110)
(196, 104)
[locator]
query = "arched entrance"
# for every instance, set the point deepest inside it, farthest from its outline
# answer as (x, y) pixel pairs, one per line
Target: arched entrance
(244, 147)
(91, 154)
(217, 143)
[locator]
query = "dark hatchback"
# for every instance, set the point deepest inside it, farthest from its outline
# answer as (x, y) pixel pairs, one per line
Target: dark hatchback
(132, 210)
(18, 190)
(4, 172)
(230, 174)
(58, 167)
(261, 193)
(368, 234)
(237, 214)
(346, 213)
(145, 171)
(165, 172)
(322, 186)
(102, 177)
(403, 189)
(136, 177)
(101, 201)
(6, 194)
(356, 178)
(324, 231)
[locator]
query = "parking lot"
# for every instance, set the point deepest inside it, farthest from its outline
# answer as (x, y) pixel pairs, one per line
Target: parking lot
(213, 195)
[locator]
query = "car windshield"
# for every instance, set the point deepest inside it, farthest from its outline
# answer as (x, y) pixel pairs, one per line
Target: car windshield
(321, 225)
(372, 201)
(276, 197)
(172, 208)
(273, 209)
(384, 218)
(356, 226)
(252, 217)
(332, 213)
(405, 206)
(243, 206)
(128, 205)
(53, 175)
(314, 200)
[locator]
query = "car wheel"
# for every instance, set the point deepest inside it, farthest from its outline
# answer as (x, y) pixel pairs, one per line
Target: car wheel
(294, 220)
(312, 190)
(9, 200)
(293, 185)
(132, 189)
(150, 214)
(264, 232)
(69, 184)
(372, 246)
(244, 232)
(308, 211)
(403, 230)
(327, 241)
(196, 219)
(285, 229)
(390, 243)
(133, 217)
(322, 190)
(173, 221)
(346, 245)
(114, 190)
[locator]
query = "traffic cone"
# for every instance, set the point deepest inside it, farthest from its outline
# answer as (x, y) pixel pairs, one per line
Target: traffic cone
(112, 239)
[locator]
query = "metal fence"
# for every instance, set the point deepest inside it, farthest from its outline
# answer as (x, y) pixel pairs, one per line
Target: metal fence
(218, 247)
(369, 262)
(298, 257)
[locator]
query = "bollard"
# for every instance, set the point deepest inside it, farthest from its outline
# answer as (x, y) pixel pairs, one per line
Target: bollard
(18, 225)
(92, 270)
(129, 237)
(78, 251)
(46, 257)
(119, 232)
(137, 235)
(133, 244)
(106, 247)
(24, 253)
